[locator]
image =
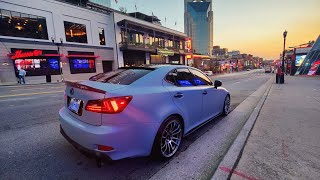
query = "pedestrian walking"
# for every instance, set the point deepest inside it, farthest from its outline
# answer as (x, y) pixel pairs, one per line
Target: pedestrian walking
(22, 75)
(278, 75)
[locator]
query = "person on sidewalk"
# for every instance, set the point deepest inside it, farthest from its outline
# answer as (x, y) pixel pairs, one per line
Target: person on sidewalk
(22, 75)
(279, 74)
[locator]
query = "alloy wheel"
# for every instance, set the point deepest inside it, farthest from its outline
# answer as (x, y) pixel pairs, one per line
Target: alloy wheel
(227, 105)
(171, 138)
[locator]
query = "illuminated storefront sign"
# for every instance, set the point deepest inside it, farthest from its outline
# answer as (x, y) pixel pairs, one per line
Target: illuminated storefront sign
(189, 56)
(189, 44)
(36, 62)
(314, 68)
(82, 62)
(19, 54)
(165, 52)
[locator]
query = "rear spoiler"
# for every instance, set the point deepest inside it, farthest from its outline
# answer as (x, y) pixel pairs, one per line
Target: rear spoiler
(84, 87)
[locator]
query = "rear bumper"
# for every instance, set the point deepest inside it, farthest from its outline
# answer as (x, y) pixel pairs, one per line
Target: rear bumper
(85, 151)
(127, 140)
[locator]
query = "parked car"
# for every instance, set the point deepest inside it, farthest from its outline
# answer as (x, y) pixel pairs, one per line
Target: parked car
(208, 73)
(140, 111)
(267, 69)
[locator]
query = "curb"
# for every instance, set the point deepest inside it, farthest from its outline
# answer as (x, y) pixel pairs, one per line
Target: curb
(230, 161)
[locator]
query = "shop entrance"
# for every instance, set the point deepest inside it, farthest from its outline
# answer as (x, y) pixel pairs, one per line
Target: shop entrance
(134, 58)
(174, 59)
(157, 59)
(107, 66)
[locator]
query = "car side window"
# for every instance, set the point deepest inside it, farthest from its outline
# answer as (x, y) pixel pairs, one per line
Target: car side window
(200, 79)
(180, 77)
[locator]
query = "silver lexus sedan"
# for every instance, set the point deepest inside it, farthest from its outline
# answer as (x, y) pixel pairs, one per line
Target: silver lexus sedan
(140, 111)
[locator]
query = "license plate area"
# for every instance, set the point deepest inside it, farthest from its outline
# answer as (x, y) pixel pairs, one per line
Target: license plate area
(75, 105)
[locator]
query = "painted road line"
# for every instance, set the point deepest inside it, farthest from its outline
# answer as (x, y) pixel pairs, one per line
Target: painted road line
(30, 85)
(29, 89)
(28, 94)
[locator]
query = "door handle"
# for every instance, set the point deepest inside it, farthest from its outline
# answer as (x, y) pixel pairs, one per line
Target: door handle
(178, 95)
(204, 92)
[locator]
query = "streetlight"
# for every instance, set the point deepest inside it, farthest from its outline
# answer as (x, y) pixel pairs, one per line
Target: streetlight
(281, 76)
(58, 46)
(284, 48)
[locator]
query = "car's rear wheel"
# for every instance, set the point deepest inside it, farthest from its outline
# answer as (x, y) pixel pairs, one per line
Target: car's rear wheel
(168, 138)
(226, 105)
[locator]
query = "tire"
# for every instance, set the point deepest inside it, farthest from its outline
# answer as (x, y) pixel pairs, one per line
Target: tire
(226, 105)
(168, 138)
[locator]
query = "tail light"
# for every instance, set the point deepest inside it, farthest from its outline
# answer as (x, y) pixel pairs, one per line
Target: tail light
(109, 105)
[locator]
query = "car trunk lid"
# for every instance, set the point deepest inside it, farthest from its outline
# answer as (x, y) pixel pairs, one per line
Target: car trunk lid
(78, 94)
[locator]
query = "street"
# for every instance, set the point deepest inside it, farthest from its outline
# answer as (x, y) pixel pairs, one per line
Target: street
(33, 148)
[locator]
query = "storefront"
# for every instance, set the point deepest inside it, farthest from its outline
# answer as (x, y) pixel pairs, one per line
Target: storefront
(53, 42)
(142, 42)
(82, 62)
(134, 58)
(36, 62)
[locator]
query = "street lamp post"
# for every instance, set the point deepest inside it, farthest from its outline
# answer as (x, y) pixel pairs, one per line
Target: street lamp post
(58, 47)
(284, 48)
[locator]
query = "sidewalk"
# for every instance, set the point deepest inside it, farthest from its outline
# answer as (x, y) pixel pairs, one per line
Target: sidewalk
(285, 141)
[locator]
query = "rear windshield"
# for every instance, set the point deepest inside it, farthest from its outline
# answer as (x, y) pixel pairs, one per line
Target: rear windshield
(121, 76)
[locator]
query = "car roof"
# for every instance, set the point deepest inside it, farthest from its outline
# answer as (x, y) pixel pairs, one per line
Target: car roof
(157, 66)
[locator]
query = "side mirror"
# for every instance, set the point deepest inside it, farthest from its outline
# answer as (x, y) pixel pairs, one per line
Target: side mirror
(217, 84)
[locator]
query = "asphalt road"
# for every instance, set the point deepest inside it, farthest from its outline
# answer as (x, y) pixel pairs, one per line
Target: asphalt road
(32, 147)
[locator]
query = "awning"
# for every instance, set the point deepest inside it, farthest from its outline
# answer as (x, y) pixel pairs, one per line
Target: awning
(82, 56)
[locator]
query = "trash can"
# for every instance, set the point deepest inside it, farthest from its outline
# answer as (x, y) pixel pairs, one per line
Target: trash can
(48, 78)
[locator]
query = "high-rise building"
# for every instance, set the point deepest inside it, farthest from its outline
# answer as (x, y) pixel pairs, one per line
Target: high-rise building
(198, 24)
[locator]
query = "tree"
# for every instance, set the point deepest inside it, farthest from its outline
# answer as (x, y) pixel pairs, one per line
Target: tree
(123, 10)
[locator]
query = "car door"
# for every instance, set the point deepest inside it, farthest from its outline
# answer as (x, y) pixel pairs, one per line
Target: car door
(211, 96)
(186, 96)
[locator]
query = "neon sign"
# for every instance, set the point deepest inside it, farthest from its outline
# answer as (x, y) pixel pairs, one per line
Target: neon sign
(188, 44)
(19, 54)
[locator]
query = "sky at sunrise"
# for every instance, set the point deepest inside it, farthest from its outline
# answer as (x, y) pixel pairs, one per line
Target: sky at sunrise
(251, 26)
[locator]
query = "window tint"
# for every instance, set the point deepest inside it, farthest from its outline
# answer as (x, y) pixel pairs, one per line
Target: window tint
(18, 24)
(75, 32)
(180, 77)
(102, 36)
(121, 76)
(200, 78)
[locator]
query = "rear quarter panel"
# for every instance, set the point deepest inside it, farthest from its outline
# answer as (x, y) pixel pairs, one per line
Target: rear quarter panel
(151, 104)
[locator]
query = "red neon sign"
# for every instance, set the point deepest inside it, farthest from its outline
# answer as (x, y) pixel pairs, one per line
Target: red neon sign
(188, 46)
(19, 54)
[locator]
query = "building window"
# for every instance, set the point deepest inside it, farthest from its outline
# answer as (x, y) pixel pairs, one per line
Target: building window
(75, 32)
(18, 24)
(82, 62)
(82, 65)
(102, 36)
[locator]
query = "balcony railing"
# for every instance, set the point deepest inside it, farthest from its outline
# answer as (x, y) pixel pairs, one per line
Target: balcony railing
(148, 46)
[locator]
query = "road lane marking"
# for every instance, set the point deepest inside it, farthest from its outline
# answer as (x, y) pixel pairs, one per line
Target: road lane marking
(28, 94)
(28, 89)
